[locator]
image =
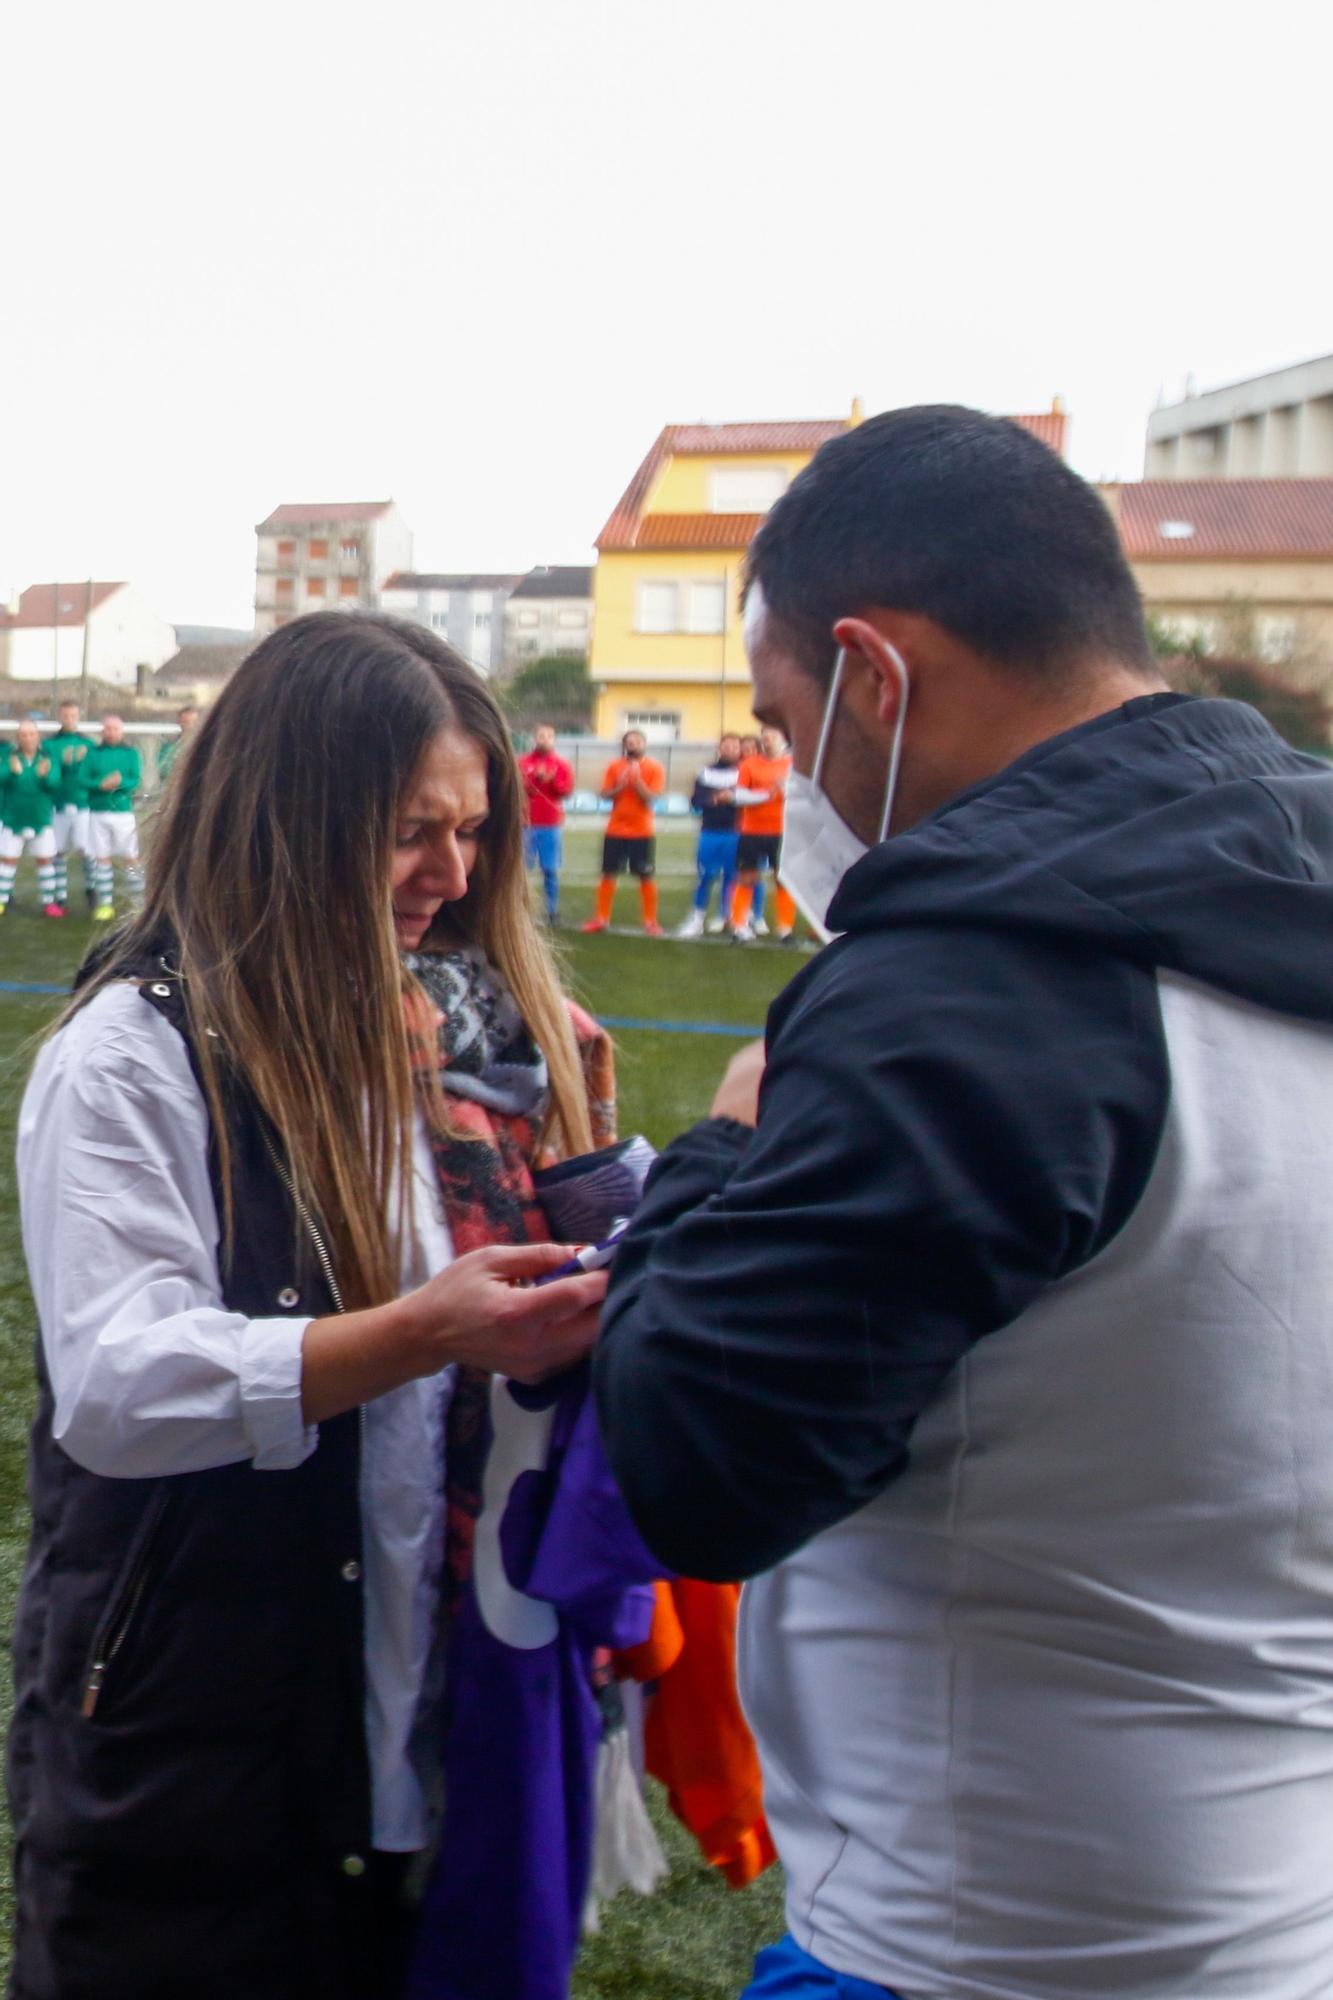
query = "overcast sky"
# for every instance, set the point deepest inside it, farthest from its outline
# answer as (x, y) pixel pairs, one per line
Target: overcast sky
(472, 257)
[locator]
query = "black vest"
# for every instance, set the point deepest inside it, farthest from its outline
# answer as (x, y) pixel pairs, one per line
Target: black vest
(187, 1762)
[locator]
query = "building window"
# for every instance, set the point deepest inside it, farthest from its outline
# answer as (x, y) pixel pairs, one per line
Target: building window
(707, 606)
(482, 621)
(529, 618)
(318, 551)
(347, 586)
(571, 618)
(656, 607)
(659, 725)
(286, 551)
(350, 551)
(284, 589)
(1277, 635)
(746, 489)
(439, 621)
(315, 586)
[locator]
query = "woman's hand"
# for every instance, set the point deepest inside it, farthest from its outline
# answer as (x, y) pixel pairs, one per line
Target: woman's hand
(478, 1311)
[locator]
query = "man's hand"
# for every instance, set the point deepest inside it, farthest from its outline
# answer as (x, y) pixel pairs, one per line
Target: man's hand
(738, 1092)
(110, 783)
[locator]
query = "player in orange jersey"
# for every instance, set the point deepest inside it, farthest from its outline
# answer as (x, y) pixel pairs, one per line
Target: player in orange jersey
(761, 792)
(633, 783)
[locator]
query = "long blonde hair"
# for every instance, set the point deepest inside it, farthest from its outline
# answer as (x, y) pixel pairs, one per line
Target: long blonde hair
(269, 875)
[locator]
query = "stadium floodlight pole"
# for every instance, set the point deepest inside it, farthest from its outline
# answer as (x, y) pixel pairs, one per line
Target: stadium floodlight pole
(87, 645)
(55, 644)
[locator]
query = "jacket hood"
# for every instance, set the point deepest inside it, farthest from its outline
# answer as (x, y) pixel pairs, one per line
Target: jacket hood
(1183, 834)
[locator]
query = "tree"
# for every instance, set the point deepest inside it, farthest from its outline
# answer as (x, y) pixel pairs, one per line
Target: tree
(1300, 714)
(555, 689)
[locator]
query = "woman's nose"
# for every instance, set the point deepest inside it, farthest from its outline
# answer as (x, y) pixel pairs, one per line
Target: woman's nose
(446, 871)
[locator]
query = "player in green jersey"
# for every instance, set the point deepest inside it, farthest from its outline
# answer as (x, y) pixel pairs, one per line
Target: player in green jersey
(113, 773)
(67, 748)
(28, 788)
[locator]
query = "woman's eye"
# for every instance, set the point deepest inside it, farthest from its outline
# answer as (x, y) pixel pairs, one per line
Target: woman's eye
(407, 836)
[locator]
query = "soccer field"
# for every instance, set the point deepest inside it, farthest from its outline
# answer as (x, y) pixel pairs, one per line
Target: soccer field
(693, 1940)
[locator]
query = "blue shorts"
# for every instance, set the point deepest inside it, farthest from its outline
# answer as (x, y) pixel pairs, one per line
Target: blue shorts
(785, 1972)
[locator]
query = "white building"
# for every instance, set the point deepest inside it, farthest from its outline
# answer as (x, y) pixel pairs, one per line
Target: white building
(549, 612)
(322, 555)
(1275, 426)
(43, 640)
(466, 609)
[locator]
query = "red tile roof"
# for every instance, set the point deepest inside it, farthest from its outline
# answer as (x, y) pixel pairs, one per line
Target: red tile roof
(710, 439)
(1195, 520)
(37, 604)
(296, 513)
(1048, 425)
(630, 528)
(697, 531)
(622, 530)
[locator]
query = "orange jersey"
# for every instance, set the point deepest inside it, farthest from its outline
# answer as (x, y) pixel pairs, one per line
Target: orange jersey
(631, 818)
(764, 774)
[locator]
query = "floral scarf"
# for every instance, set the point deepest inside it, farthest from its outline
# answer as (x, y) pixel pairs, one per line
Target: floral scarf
(497, 1090)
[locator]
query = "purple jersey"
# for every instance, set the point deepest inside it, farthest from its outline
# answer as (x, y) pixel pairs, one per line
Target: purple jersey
(558, 1571)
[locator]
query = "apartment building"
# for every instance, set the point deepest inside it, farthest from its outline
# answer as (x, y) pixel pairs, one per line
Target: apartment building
(467, 609)
(326, 555)
(1273, 426)
(549, 612)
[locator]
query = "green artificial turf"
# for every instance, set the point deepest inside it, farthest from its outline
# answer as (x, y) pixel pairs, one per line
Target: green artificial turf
(694, 1939)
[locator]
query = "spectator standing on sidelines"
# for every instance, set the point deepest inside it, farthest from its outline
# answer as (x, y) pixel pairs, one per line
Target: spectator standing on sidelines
(547, 783)
(67, 748)
(28, 788)
(187, 717)
(114, 775)
(633, 783)
(750, 748)
(762, 794)
(715, 802)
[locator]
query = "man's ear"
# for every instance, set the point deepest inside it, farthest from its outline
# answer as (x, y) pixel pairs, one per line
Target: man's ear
(881, 667)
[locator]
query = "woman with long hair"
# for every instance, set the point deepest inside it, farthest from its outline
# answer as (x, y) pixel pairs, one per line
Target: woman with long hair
(251, 1303)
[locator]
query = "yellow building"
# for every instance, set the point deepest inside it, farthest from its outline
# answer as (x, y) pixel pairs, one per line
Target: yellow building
(667, 650)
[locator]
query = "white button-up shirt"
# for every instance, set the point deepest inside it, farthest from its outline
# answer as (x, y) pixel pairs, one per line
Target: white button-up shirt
(152, 1374)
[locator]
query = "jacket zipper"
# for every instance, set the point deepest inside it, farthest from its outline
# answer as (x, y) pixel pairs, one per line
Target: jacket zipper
(307, 1222)
(120, 1615)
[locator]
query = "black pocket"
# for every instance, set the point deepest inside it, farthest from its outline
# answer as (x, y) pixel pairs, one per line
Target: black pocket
(126, 1601)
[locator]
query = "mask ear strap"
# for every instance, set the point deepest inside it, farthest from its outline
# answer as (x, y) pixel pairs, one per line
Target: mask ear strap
(895, 754)
(830, 710)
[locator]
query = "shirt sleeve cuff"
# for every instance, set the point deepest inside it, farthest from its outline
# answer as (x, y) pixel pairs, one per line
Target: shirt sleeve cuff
(271, 1394)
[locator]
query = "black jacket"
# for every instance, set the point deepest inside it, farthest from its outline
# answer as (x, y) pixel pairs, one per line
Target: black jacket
(963, 1103)
(187, 1764)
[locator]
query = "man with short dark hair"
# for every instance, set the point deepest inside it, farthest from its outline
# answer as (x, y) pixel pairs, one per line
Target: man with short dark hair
(991, 1334)
(547, 783)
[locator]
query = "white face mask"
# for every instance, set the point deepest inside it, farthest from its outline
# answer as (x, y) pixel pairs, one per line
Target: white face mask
(818, 846)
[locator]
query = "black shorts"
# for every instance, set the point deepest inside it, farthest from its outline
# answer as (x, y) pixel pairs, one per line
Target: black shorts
(759, 851)
(639, 856)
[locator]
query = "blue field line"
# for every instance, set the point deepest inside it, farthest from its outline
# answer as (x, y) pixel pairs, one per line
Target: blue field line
(746, 1034)
(739, 1032)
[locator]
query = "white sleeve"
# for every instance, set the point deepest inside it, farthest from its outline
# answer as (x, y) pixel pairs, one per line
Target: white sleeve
(151, 1373)
(746, 795)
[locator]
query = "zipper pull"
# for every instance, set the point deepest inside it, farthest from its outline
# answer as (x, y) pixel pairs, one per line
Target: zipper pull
(93, 1688)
